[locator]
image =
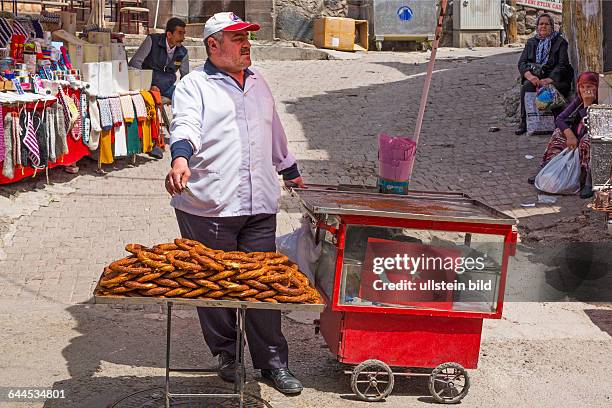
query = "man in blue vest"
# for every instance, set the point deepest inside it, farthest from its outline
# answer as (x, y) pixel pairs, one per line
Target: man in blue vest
(164, 54)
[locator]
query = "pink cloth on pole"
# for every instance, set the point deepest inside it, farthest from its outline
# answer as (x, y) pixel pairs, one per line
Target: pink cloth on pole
(395, 157)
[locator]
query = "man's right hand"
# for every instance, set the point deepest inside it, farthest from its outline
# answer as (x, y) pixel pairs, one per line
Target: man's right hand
(154, 88)
(177, 177)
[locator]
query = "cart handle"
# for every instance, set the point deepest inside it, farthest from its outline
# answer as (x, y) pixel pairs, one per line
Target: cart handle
(327, 227)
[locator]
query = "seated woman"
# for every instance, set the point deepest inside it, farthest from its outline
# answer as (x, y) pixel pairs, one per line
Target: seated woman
(572, 133)
(544, 61)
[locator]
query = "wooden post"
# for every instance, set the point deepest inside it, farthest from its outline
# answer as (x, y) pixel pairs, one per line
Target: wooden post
(512, 27)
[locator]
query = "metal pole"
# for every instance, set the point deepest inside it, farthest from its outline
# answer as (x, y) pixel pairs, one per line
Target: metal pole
(156, 14)
(512, 26)
(432, 59)
(168, 331)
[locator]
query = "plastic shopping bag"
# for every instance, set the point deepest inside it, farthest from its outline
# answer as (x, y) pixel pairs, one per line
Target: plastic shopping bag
(537, 122)
(300, 247)
(561, 175)
(549, 98)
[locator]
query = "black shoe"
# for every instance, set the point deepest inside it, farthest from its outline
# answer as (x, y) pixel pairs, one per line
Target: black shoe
(522, 128)
(227, 367)
(157, 153)
(283, 380)
(531, 180)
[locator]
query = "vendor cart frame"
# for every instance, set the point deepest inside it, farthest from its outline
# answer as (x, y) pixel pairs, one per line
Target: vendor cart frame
(241, 308)
(377, 337)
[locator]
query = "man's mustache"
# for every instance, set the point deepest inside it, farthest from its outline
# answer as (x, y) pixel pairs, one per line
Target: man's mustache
(245, 51)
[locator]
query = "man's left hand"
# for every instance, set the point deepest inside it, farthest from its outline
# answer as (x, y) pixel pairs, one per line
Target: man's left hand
(296, 182)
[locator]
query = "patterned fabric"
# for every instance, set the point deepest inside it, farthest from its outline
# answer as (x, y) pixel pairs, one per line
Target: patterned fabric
(6, 32)
(8, 170)
(543, 49)
(50, 126)
(61, 144)
(38, 29)
(127, 108)
(141, 109)
(48, 17)
(31, 142)
(117, 114)
(134, 144)
(94, 116)
(20, 28)
(85, 118)
(558, 143)
(2, 144)
(77, 130)
(106, 115)
(16, 139)
(41, 137)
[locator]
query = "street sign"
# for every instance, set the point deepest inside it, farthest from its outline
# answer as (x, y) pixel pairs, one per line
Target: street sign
(551, 5)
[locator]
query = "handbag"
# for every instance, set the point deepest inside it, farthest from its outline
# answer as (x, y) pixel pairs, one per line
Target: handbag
(548, 98)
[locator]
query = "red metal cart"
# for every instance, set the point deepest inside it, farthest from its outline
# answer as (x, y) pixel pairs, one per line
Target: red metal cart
(372, 318)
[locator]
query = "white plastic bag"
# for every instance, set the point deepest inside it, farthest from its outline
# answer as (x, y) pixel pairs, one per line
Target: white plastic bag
(537, 122)
(561, 175)
(300, 247)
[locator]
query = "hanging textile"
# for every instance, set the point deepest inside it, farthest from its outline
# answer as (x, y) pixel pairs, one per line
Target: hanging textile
(50, 126)
(134, 144)
(106, 147)
(61, 146)
(85, 117)
(7, 165)
(2, 144)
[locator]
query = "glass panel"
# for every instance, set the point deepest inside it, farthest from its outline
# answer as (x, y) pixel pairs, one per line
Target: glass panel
(325, 269)
(408, 268)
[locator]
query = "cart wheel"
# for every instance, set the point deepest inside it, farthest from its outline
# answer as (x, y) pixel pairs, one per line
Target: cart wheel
(378, 45)
(449, 383)
(372, 380)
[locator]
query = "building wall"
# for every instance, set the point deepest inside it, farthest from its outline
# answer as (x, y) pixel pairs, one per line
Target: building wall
(295, 18)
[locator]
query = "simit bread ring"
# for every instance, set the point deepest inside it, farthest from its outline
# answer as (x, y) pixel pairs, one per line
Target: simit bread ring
(135, 248)
(293, 299)
(177, 292)
(187, 244)
(167, 282)
(200, 257)
(175, 274)
(245, 293)
(195, 292)
(257, 285)
(127, 265)
(234, 287)
(187, 283)
(149, 277)
(155, 291)
(286, 290)
(138, 285)
(155, 261)
(161, 249)
(254, 274)
(199, 275)
(222, 275)
(266, 294)
(207, 284)
(172, 256)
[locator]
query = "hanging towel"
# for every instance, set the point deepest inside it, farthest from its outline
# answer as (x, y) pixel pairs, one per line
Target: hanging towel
(24, 122)
(50, 125)
(2, 144)
(120, 141)
(77, 130)
(106, 147)
(141, 109)
(85, 118)
(61, 144)
(94, 116)
(115, 104)
(16, 139)
(41, 138)
(106, 115)
(134, 144)
(6, 32)
(127, 108)
(30, 141)
(7, 165)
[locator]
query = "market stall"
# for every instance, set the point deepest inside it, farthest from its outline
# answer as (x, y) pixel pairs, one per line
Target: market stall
(407, 281)
(64, 97)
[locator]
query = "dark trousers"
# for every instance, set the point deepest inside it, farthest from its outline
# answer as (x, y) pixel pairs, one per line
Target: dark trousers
(529, 87)
(254, 233)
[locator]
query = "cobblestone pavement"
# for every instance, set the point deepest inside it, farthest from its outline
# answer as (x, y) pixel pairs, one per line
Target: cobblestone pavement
(57, 238)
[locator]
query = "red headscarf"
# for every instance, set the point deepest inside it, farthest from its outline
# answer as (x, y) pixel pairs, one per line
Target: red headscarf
(588, 77)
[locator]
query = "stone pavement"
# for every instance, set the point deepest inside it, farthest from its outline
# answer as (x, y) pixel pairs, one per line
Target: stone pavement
(57, 238)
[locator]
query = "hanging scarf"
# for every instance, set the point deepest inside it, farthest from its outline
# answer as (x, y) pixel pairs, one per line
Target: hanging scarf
(94, 115)
(16, 139)
(30, 141)
(60, 131)
(7, 165)
(543, 49)
(85, 118)
(50, 125)
(117, 114)
(106, 115)
(77, 130)
(141, 109)
(2, 144)
(127, 108)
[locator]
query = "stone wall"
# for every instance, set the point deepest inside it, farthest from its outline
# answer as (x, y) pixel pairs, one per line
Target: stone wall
(526, 19)
(295, 18)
